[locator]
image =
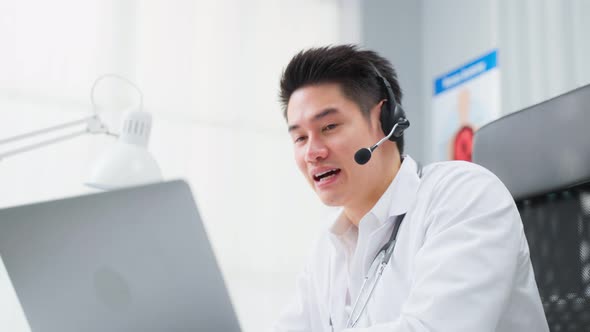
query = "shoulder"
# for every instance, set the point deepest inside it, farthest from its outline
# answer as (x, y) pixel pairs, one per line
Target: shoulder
(459, 191)
(462, 178)
(447, 171)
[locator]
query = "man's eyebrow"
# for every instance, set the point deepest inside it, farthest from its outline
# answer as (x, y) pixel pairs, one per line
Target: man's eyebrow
(322, 114)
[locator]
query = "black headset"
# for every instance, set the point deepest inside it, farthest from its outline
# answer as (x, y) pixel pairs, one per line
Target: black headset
(393, 120)
(391, 112)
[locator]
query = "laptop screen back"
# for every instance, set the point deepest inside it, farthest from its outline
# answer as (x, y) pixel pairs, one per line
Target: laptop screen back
(136, 259)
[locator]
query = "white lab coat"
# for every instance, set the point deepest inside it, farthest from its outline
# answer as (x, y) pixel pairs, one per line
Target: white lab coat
(461, 262)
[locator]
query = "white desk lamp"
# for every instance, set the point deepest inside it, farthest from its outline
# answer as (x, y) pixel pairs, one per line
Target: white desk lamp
(126, 163)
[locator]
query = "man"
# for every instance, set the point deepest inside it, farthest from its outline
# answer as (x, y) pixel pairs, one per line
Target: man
(460, 260)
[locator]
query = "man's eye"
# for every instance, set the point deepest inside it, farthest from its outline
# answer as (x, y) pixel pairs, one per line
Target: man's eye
(330, 127)
(299, 139)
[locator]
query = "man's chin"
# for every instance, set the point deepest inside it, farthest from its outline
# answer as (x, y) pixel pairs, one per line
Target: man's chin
(330, 199)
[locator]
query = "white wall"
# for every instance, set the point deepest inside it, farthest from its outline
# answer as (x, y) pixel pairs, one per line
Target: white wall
(544, 49)
(209, 72)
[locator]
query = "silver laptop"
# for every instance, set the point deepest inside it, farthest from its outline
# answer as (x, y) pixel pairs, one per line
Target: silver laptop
(136, 259)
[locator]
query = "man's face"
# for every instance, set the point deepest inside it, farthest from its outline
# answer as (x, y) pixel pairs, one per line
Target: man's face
(326, 130)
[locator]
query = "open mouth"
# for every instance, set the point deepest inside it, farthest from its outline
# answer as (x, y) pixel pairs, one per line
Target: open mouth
(326, 175)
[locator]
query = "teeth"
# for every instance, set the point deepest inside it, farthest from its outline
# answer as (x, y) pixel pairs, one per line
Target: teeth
(330, 170)
(327, 177)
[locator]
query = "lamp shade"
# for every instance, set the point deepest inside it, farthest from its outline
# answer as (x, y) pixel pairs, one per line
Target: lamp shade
(127, 162)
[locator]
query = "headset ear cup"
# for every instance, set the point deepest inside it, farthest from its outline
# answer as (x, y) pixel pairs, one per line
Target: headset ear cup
(391, 111)
(390, 116)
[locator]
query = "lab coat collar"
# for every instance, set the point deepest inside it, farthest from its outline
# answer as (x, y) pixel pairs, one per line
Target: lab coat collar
(396, 200)
(400, 194)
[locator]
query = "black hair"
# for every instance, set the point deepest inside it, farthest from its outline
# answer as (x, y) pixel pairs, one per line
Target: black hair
(347, 66)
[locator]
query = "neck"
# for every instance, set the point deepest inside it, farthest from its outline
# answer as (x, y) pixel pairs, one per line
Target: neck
(355, 212)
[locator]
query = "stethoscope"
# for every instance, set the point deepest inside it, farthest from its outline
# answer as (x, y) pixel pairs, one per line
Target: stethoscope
(374, 274)
(375, 271)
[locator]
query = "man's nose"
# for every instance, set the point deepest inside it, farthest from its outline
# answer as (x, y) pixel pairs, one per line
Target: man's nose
(316, 150)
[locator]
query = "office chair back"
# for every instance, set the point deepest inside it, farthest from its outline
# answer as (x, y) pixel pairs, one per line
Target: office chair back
(542, 154)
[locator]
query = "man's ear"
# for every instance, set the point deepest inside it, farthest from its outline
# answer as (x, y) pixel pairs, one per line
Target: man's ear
(375, 114)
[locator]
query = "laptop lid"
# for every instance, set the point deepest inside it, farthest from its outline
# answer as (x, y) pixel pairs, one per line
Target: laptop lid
(136, 259)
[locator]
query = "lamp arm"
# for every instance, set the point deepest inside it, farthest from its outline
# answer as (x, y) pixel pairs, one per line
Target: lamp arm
(42, 144)
(93, 126)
